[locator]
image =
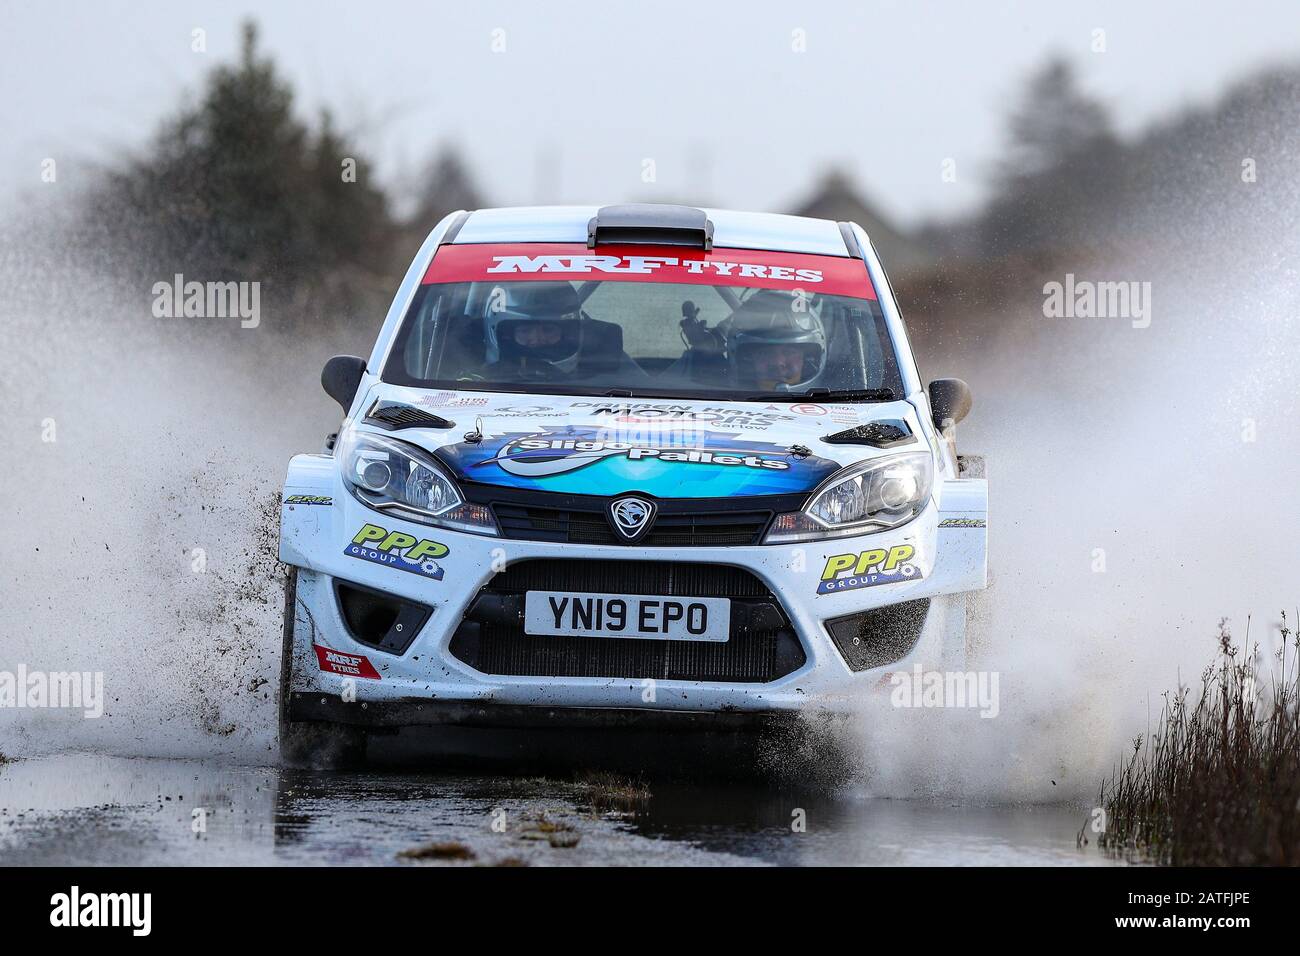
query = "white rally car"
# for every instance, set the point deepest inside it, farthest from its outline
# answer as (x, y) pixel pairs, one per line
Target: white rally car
(635, 465)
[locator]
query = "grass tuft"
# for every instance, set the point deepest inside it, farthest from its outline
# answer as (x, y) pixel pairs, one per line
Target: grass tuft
(610, 793)
(450, 850)
(1218, 782)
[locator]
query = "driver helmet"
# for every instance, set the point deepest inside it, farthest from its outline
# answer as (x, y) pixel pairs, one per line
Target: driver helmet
(775, 341)
(535, 323)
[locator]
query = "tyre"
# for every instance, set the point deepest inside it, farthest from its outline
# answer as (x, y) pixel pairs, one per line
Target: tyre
(311, 744)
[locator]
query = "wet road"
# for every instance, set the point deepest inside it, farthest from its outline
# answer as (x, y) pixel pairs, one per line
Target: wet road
(85, 809)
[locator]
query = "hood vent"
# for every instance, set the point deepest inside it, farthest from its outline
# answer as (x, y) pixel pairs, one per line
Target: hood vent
(395, 415)
(882, 434)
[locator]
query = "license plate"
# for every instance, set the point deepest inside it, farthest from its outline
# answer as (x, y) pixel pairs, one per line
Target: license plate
(565, 613)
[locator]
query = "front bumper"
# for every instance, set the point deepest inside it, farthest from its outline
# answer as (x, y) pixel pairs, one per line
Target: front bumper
(437, 713)
(429, 683)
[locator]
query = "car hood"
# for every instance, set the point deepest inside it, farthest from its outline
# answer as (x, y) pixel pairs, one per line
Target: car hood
(667, 448)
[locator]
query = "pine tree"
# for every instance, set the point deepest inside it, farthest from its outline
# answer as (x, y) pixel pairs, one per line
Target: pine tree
(235, 187)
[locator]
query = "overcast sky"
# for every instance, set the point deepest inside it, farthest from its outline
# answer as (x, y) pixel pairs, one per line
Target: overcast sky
(584, 93)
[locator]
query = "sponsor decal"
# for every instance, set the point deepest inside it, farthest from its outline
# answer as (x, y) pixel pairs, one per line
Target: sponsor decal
(450, 400)
(750, 268)
(865, 569)
(349, 665)
(663, 463)
(808, 409)
(962, 523)
(539, 457)
(526, 411)
(644, 265)
(643, 413)
(453, 400)
(849, 414)
(396, 549)
(309, 500)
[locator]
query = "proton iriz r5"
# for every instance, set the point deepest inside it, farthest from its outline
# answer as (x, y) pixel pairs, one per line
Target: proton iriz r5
(637, 465)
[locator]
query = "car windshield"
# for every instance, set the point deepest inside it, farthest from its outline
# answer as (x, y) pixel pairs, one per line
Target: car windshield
(749, 329)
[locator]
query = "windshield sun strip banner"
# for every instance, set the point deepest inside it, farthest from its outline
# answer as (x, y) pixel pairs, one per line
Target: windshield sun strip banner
(745, 268)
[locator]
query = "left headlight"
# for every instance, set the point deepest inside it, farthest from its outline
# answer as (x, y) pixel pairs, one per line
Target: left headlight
(872, 496)
(406, 482)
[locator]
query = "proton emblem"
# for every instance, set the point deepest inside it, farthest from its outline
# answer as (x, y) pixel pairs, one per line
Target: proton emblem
(631, 517)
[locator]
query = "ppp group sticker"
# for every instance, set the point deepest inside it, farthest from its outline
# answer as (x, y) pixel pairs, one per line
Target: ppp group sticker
(396, 549)
(865, 569)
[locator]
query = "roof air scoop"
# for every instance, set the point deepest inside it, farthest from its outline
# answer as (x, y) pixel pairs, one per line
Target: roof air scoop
(651, 223)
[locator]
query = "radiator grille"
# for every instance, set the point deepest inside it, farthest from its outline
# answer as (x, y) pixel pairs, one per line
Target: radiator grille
(669, 530)
(749, 655)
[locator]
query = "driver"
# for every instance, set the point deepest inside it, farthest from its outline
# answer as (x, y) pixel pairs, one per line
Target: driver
(775, 341)
(534, 329)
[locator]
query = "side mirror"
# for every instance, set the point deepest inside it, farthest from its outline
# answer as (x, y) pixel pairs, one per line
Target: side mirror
(340, 378)
(950, 401)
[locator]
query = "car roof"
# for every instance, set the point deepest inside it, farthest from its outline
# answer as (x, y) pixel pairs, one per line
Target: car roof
(731, 229)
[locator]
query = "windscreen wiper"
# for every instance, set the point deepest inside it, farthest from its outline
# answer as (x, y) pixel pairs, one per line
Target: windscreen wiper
(828, 395)
(853, 394)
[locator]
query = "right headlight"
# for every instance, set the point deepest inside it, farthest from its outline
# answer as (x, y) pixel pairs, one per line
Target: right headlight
(864, 498)
(400, 479)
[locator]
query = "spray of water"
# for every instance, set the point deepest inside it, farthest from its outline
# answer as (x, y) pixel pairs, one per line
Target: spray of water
(142, 458)
(1142, 488)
